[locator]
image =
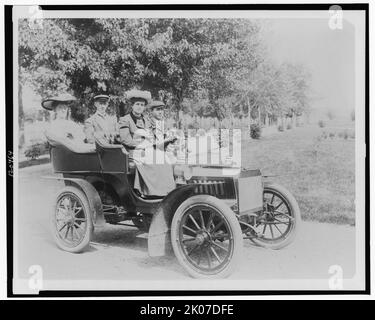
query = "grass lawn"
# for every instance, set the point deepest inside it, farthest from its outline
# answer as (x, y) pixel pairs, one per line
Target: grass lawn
(319, 172)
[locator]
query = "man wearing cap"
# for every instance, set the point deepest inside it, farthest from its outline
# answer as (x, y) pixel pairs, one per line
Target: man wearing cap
(157, 125)
(156, 120)
(100, 123)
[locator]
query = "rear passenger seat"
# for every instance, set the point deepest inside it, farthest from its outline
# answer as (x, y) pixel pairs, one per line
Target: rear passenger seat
(73, 145)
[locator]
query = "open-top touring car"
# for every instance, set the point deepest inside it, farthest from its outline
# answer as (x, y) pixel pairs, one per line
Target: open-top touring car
(205, 219)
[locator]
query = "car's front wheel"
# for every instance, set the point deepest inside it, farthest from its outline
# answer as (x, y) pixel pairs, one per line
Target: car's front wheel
(206, 237)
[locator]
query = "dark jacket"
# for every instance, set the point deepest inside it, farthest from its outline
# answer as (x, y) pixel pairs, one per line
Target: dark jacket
(129, 124)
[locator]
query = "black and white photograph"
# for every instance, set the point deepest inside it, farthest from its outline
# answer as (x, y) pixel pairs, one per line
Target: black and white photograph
(188, 149)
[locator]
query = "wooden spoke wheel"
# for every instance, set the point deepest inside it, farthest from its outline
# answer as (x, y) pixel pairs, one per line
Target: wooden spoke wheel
(71, 222)
(276, 227)
(206, 237)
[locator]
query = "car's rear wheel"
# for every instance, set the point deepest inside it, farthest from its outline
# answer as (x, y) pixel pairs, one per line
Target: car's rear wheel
(277, 225)
(71, 221)
(206, 237)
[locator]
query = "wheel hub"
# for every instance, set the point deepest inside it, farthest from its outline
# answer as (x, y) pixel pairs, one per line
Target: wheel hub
(202, 238)
(269, 213)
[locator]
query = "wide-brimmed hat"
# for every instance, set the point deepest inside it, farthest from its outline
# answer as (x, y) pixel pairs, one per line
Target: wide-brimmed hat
(138, 94)
(101, 97)
(50, 103)
(155, 104)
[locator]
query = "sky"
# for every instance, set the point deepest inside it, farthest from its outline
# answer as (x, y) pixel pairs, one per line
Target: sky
(328, 54)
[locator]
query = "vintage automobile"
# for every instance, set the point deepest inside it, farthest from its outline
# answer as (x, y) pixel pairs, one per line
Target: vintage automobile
(204, 220)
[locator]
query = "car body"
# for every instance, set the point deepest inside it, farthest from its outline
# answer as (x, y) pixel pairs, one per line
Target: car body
(228, 202)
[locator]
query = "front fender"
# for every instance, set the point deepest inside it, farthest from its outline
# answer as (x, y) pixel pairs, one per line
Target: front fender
(159, 240)
(92, 196)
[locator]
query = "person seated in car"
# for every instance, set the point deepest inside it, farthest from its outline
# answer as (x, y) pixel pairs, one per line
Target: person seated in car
(151, 179)
(62, 128)
(164, 138)
(134, 120)
(61, 124)
(101, 124)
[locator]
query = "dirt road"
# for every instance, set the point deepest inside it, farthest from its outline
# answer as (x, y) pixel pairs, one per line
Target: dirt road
(120, 253)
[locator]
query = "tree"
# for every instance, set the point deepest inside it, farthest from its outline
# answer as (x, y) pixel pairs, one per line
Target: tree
(234, 53)
(87, 56)
(217, 66)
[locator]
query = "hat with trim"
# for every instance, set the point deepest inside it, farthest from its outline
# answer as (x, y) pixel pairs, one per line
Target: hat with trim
(101, 97)
(138, 94)
(155, 104)
(50, 103)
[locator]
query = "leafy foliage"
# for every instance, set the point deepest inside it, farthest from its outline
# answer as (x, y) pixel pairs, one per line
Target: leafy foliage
(206, 67)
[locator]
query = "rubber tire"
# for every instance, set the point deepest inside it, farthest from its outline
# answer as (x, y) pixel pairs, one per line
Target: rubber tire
(294, 208)
(82, 246)
(232, 223)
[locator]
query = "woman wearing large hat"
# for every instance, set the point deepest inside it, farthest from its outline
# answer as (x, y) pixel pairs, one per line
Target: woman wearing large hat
(134, 120)
(135, 134)
(61, 127)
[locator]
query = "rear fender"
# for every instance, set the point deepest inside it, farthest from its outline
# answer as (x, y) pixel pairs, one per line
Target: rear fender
(159, 240)
(92, 196)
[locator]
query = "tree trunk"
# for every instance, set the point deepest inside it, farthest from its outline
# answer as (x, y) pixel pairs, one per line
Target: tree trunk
(21, 117)
(249, 115)
(259, 119)
(267, 120)
(178, 109)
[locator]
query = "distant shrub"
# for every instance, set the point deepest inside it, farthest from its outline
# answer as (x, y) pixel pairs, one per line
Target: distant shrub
(193, 125)
(280, 128)
(324, 135)
(255, 131)
(201, 132)
(331, 135)
(346, 134)
(330, 115)
(352, 115)
(289, 126)
(321, 123)
(35, 150)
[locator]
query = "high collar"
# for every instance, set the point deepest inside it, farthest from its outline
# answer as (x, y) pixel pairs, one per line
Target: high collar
(154, 121)
(136, 120)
